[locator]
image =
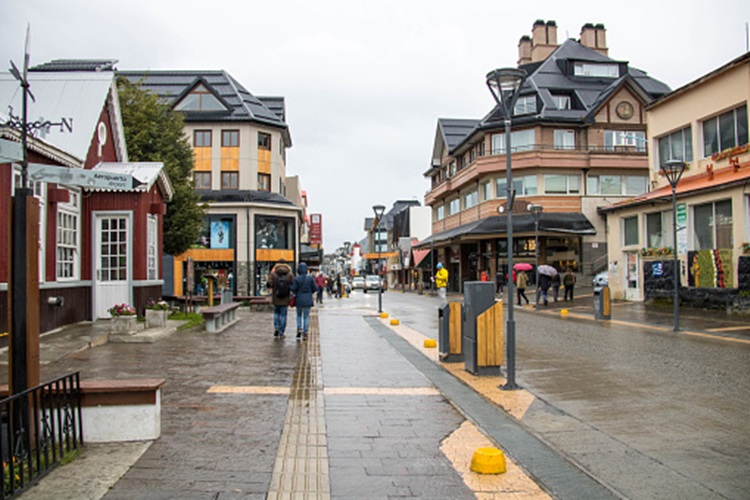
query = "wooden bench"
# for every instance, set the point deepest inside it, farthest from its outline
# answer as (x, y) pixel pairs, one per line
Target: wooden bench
(220, 317)
(256, 302)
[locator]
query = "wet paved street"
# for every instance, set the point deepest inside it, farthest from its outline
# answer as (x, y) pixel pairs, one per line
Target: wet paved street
(646, 412)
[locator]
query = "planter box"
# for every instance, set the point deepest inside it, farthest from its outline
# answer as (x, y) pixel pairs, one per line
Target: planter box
(124, 325)
(156, 318)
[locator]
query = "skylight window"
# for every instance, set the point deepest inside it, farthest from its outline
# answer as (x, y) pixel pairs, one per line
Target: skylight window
(605, 70)
(200, 99)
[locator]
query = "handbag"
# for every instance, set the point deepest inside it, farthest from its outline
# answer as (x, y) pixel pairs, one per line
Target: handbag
(292, 301)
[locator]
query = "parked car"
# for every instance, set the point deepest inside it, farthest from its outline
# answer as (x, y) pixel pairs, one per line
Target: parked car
(358, 283)
(372, 282)
(601, 279)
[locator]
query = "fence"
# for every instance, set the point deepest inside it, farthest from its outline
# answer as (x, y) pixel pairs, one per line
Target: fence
(39, 426)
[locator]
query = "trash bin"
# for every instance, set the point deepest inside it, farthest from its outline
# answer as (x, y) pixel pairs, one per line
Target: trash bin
(478, 297)
(602, 303)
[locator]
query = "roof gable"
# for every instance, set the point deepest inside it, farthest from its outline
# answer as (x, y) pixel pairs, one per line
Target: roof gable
(72, 103)
(200, 98)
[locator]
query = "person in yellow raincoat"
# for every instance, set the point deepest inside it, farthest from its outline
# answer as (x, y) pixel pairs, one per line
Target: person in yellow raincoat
(441, 282)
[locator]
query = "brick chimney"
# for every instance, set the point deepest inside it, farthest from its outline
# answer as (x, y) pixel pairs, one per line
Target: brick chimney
(595, 37)
(524, 50)
(543, 40)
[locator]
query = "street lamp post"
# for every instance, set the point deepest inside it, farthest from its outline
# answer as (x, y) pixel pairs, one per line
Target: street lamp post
(536, 212)
(673, 170)
(505, 85)
(379, 210)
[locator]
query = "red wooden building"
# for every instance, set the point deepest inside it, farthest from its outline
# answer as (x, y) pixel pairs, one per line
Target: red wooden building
(97, 247)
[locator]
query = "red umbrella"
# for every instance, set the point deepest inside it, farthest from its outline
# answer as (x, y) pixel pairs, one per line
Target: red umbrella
(523, 266)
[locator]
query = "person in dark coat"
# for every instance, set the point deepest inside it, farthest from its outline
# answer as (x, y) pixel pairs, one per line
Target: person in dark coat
(303, 288)
(555, 283)
(279, 298)
(542, 288)
(499, 282)
(569, 282)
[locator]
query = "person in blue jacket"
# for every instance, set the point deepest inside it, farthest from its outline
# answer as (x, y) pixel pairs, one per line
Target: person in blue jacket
(303, 287)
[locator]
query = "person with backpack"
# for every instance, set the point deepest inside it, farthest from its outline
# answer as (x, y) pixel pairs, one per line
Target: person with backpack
(303, 287)
(569, 282)
(280, 284)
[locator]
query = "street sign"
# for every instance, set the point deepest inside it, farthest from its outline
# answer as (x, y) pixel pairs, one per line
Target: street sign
(10, 151)
(80, 177)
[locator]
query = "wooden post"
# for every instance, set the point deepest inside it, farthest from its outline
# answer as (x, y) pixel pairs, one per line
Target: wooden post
(23, 293)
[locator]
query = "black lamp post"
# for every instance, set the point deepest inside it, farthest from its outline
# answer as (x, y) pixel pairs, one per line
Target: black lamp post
(347, 261)
(505, 85)
(536, 212)
(379, 210)
(673, 170)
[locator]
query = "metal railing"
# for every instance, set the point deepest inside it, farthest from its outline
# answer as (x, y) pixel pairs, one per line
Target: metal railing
(38, 427)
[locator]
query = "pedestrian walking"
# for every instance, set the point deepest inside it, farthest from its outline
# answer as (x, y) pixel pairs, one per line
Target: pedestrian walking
(569, 282)
(522, 280)
(303, 288)
(280, 283)
(441, 282)
(555, 283)
(320, 282)
(337, 286)
(499, 282)
(542, 288)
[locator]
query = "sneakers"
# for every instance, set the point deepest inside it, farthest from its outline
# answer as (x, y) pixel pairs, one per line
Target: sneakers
(299, 333)
(276, 333)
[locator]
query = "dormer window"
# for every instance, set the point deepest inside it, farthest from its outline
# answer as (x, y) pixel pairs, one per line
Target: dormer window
(561, 101)
(605, 70)
(200, 99)
(525, 105)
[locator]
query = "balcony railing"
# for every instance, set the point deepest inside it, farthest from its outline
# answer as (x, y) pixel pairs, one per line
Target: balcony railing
(39, 426)
(639, 150)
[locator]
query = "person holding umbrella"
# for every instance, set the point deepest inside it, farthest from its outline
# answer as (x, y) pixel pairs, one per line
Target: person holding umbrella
(545, 273)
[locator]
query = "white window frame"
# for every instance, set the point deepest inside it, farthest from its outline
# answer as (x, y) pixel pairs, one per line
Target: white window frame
(68, 238)
(595, 185)
(525, 105)
(520, 140)
(454, 206)
(525, 186)
(572, 184)
(471, 199)
(152, 248)
(666, 237)
(625, 221)
(564, 139)
(632, 138)
(561, 101)
(666, 146)
(440, 212)
(598, 70)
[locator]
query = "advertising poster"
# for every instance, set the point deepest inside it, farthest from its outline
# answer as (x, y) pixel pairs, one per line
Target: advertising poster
(219, 234)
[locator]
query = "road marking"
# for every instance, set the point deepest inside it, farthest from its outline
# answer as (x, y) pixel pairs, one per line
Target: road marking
(381, 391)
(248, 389)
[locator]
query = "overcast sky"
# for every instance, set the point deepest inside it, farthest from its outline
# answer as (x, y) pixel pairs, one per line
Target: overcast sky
(366, 81)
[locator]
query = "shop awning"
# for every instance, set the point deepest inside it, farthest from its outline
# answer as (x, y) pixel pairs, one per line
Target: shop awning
(496, 226)
(419, 255)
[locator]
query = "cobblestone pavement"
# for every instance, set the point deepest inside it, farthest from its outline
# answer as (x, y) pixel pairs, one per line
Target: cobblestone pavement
(361, 410)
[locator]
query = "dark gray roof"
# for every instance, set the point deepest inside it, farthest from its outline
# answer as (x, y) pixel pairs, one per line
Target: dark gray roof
(552, 222)
(454, 130)
(171, 86)
(241, 196)
(555, 76)
(68, 65)
(275, 104)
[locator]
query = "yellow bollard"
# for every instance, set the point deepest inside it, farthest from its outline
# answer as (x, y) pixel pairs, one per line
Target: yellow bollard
(488, 461)
(430, 343)
(563, 312)
(394, 321)
(384, 315)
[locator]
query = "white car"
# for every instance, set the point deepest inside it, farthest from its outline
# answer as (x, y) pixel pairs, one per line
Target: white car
(372, 282)
(601, 279)
(358, 283)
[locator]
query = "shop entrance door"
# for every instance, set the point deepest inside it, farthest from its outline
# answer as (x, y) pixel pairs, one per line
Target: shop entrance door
(112, 257)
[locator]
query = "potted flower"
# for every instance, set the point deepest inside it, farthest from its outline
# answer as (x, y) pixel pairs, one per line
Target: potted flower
(123, 319)
(745, 246)
(156, 313)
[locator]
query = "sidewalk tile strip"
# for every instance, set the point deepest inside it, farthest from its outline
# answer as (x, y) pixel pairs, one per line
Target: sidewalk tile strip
(301, 469)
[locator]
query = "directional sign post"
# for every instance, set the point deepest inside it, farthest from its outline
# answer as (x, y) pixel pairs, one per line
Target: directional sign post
(79, 177)
(10, 151)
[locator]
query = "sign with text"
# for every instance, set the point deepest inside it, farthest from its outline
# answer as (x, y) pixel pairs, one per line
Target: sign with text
(80, 177)
(316, 229)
